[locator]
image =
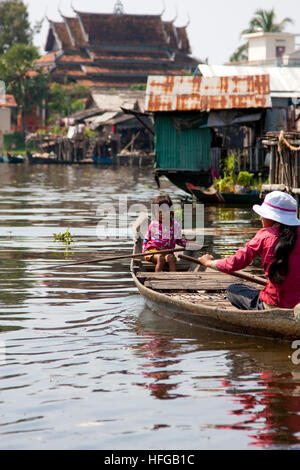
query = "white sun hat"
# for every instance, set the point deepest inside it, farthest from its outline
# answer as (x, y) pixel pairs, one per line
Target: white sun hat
(280, 207)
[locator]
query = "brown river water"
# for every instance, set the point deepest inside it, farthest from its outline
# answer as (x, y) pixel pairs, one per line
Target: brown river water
(85, 365)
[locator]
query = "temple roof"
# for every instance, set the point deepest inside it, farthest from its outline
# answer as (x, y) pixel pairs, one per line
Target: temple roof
(61, 34)
(115, 49)
(123, 29)
(76, 31)
(95, 29)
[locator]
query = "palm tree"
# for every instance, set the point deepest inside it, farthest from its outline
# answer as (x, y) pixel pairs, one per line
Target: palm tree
(263, 20)
(241, 54)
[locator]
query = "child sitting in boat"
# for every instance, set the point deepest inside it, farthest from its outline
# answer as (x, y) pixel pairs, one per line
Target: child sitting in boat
(278, 244)
(164, 233)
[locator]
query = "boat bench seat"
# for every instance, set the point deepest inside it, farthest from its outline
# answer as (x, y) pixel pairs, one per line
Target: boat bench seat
(186, 281)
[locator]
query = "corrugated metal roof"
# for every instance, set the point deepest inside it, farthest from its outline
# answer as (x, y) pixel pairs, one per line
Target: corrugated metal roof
(114, 101)
(8, 101)
(97, 121)
(167, 93)
(284, 81)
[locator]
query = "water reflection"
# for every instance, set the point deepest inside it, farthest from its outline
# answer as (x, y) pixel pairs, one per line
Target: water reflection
(263, 388)
(161, 355)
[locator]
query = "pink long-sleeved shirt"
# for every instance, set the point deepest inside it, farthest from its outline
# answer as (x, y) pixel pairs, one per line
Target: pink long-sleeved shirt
(162, 237)
(285, 295)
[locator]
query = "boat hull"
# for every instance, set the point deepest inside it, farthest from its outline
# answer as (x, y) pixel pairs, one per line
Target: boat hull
(275, 324)
(181, 179)
(15, 159)
(225, 198)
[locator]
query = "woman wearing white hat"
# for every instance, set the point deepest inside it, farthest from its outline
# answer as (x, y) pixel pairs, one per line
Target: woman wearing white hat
(278, 244)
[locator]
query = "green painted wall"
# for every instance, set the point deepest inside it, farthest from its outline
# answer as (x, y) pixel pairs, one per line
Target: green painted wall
(181, 149)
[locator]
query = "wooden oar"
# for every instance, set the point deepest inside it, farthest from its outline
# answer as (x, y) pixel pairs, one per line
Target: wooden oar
(240, 274)
(115, 258)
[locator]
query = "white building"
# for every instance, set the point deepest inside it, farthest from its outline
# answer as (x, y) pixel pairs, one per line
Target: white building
(273, 49)
(7, 102)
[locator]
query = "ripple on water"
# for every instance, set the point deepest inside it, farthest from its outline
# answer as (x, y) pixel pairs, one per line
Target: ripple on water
(85, 365)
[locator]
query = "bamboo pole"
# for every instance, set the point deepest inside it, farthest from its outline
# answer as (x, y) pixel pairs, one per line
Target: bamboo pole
(114, 258)
(272, 166)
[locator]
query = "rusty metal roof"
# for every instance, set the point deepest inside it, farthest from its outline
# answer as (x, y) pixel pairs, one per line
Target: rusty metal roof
(186, 93)
(8, 101)
(284, 81)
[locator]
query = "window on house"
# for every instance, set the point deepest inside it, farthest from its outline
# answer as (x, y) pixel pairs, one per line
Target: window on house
(280, 51)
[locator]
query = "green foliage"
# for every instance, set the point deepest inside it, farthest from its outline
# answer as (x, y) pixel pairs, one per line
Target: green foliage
(23, 79)
(56, 129)
(244, 178)
(14, 24)
(138, 86)
(89, 133)
(241, 54)
(225, 184)
(77, 105)
(265, 20)
(66, 238)
(65, 100)
(14, 142)
(231, 179)
(230, 165)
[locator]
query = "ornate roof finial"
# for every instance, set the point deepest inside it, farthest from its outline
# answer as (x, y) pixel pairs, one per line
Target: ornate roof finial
(59, 10)
(189, 21)
(173, 21)
(119, 8)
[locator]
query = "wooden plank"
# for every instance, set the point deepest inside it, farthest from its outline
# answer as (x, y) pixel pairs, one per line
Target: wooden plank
(188, 276)
(187, 286)
(179, 276)
(163, 274)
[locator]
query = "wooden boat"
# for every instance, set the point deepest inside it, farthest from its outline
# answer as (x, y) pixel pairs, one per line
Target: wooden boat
(212, 196)
(181, 178)
(41, 158)
(103, 160)
(15, 158)
(199, 299)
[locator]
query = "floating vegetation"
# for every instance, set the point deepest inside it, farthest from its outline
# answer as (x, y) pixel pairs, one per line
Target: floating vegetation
(66, 238)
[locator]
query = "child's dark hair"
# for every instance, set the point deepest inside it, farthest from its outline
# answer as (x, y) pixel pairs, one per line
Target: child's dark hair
(285, 245)
(161, 200)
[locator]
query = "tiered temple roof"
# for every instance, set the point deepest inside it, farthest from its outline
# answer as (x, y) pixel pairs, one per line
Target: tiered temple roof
(115, 50)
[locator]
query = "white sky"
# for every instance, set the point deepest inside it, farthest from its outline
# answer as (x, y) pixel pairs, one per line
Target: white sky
(215, 26)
